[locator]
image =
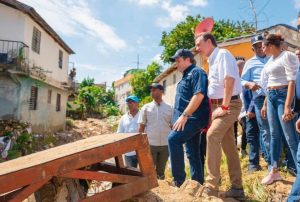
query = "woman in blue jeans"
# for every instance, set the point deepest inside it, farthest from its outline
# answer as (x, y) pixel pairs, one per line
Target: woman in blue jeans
(280, 72)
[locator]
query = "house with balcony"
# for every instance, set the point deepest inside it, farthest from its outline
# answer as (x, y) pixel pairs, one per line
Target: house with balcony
(34, 82)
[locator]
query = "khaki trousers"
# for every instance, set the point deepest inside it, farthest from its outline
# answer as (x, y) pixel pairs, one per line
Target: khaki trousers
(221, 135)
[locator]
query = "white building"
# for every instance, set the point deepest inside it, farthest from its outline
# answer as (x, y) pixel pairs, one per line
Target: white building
(33, 68)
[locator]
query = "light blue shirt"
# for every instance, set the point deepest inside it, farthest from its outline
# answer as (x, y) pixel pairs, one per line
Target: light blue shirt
(252, 73)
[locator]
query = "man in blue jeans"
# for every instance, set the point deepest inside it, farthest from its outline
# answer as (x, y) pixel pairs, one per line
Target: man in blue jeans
(191, 113)
(295, 192)
(251, 80)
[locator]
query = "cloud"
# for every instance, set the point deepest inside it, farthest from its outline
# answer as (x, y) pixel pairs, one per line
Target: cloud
(145, 2)
(201, 3)
(75, 18)
(176, 14)
(294, 22)
(86, 67)
(297, 4)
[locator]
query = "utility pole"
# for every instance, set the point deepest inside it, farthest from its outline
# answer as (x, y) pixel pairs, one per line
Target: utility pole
(138, 61)
(254, 13)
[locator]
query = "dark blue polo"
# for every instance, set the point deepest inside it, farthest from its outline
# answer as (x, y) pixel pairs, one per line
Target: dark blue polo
(194, 81)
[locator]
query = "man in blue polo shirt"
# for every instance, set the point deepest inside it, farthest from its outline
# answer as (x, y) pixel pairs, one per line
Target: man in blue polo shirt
(191, 113)
(251, 80)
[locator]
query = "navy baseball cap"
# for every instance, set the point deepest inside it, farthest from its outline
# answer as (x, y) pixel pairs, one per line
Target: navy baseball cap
(134, 98)
(256, 39)
(182, 53)
(157, 86)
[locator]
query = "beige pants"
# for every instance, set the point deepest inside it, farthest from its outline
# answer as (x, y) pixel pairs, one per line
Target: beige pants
(221, 135)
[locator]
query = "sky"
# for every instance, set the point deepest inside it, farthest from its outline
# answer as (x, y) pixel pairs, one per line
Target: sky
(108, 35)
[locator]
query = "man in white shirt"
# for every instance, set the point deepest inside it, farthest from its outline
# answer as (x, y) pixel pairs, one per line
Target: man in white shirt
(155, 120)
(128, 124)
(223, 90)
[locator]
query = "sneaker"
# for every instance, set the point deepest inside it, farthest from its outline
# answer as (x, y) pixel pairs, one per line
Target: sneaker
(291, 171)
(244, 153)
(234, 193)
(271, 177)
(206, 192)
(254, 169)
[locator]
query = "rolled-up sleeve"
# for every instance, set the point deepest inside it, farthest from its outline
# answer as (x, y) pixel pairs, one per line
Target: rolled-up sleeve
(199, 82)
(291, 65)
(245, 77)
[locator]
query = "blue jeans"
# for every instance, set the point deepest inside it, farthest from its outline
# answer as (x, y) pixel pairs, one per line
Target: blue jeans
(252, 134)
(295, 192)
(131, 161)
(288, 162)
(278, 127)
(191, 138)
(264, 129)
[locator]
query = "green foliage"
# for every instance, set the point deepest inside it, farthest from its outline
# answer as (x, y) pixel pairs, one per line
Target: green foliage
(182, 36)
(87, 82)
(70, 123)
(21, 147)
(141, 81)
(95, 100)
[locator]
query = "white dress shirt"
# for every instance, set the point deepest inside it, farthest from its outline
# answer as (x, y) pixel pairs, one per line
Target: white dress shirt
(222, 64)
(128, 124)
(157, 119)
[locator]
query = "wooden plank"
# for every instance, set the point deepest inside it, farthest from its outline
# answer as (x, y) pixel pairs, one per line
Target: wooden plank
(122, 192)
(111, 168)
(69, 163)
(26, 192)
(61, 151)
(119, 161)
(100, 176)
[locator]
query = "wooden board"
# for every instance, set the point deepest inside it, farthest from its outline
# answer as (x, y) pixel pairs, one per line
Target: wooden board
(61, 151)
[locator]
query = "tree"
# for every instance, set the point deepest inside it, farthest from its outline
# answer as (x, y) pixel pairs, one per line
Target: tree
(87, 82)
(182, 36)
(142, 80)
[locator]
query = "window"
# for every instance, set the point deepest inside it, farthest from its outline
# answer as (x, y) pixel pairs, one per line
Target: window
(165, 85)
(58, 102)
(49, 96)
(36, 40)
(174, 78)
(33, 98)
(60, 59)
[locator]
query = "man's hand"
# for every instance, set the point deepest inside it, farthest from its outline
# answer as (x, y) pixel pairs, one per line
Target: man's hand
(298, 126)
(250, 115)
(180, 123)
(218, 112)
(253, 86)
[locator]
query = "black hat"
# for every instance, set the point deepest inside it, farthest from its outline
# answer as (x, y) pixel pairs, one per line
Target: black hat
(256, 39)
(182, 53)
(156, 85)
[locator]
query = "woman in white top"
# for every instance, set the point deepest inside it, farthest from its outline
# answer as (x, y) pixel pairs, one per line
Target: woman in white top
(280, 71)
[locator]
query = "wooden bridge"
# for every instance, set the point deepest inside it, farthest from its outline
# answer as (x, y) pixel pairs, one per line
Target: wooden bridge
(83, 159)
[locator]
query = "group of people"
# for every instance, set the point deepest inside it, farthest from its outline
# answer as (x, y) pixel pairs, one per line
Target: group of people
(263, 93)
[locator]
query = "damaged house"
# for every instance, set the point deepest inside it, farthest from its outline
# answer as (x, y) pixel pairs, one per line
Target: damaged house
(34, 83)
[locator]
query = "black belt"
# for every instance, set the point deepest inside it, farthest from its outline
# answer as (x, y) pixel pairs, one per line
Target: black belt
(219, 101)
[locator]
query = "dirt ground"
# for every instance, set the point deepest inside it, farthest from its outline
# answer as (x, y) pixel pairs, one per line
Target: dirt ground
(188, 192)
(190, 189)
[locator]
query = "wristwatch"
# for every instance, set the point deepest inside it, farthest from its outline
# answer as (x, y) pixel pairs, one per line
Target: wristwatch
(184, 114)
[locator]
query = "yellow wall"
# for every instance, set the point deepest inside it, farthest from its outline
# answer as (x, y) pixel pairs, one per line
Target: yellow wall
(241, 50)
